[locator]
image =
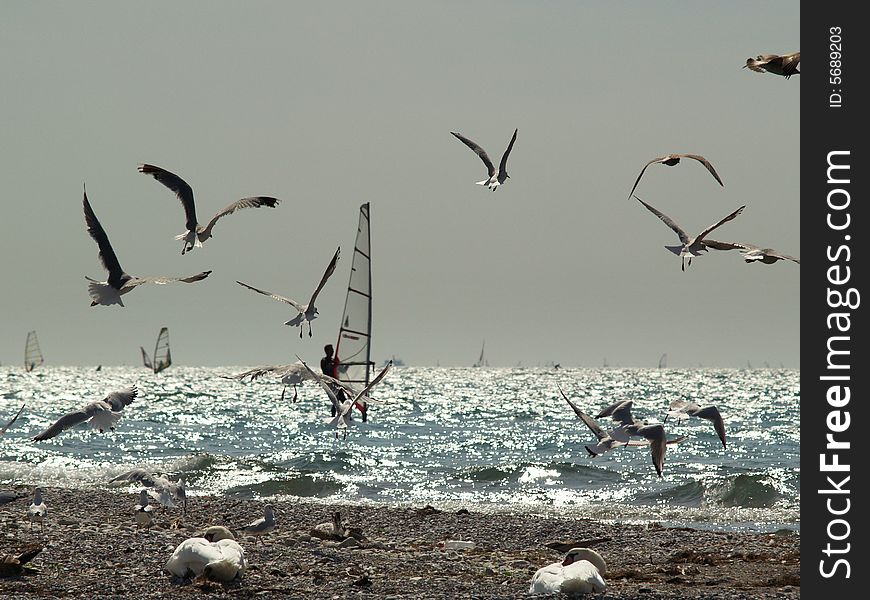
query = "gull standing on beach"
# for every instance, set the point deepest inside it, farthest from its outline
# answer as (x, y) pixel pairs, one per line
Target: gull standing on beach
(196, 234)
(37, 510)
(101, 414)
(144, 512)
(261, 526)
(307, 312)
(495, 179)
(119, 283)
(162, 489)
(684, 408)
(778, 64)
(690, 246)
(674, 159)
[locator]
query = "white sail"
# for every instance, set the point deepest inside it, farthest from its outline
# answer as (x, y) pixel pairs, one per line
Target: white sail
(353, 349)
(162, 357)
(32, 354)
(146, 360)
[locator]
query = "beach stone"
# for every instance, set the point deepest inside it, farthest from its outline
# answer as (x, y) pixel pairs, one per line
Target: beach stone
(349, 543)
(520, 564)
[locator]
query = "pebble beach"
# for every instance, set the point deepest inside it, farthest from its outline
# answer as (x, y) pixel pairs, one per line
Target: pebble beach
(92, 548)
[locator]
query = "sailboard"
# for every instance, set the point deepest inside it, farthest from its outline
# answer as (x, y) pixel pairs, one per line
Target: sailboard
(32, 354)
(663, 361)
(162, 356)
(353, 362)
(481, 362)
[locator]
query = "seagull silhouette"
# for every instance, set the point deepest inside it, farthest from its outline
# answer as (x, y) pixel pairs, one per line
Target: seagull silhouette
(674, 159)
(119, 283)
(778, 64)
(101, 414)
(196, 234)
(495, 179)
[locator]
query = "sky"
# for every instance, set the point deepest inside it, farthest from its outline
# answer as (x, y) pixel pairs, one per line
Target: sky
(330, 105)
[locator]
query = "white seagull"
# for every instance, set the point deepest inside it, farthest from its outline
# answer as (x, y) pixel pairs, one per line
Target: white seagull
(495, 179)
(12, 420)
(196, 234)
(261, 526)
(674, 159)
(342, 418)
(37, 510)
(223, 560)
(690, 246)
(163, 490)
(752, 253)
(144, 512)
(307, 312)
(293, 374)
(119, 283)
(620, 412)
(101, 414)
(579, 573)
(778, 64)
(683, 408)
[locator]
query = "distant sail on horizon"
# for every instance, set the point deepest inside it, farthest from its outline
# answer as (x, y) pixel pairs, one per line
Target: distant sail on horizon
(162, 356)
(663, 361)
(481, 362)
(32, 354)
(353, 348)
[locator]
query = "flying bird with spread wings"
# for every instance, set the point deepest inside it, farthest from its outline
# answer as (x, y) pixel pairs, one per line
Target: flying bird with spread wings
(778, 64)
(307, 312)
(674, 159)
(196, 234)
(496, 178)
(101, 414)
(119, 283)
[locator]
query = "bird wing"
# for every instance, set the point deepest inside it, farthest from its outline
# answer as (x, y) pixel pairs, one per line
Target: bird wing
(11, 421)
(479, 151)
(658, 444)
(323, 384)
(364, 392)
(251, 202)
(684, 238)
(707, 164)
(65, 422)
(106, 254)
(590, 422)
(502, 167)
(118, 400)
(636, 181)
(790, 63)
(162, 280)
(182, 190)
(292, 303)
(701, 235)
(330, 269)
(716, 245)
(779, 255)
(140, 476)
(711, 413)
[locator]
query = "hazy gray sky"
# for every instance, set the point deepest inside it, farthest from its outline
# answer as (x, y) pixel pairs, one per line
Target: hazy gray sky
(330, 105)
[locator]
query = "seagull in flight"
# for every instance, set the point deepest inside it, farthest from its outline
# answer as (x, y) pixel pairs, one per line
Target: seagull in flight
(778, 64)
(674, 159)
(164, 490)
(101, 414)
(342, 418)
(119, 283)
(683, 408)
(752, 253)
(690, 246)
(495, 179)
(196, 234)
(293, 374)
(307, 312)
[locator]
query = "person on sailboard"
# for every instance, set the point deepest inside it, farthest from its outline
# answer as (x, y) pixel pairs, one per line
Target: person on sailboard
(327, 367)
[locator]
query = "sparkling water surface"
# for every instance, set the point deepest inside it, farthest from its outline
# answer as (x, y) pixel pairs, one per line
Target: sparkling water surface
(487, 439)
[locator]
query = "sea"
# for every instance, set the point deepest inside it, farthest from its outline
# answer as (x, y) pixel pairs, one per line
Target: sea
(496, 440)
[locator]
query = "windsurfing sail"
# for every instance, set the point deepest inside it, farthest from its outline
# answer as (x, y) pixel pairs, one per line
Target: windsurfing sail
(162, 357)
(32, 354)
(353, 350)
(481, 362)
(663, 361)
(146, 360)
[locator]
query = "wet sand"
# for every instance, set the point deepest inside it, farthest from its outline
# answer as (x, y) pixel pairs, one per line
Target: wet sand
(93, 549)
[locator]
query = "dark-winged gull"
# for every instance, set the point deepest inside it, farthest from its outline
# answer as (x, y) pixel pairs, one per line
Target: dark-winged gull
(674, 159)
(752, 253)
(495, 179)
(778, 64)
(101, 414)
(683, 408)
(342, 418)
(119, 283)
(307, 312)
(196, 234)
(690, 246)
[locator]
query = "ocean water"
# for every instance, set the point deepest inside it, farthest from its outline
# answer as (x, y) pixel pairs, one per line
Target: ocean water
(487, 439)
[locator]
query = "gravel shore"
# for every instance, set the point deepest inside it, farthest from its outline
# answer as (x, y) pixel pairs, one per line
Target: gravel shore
(93, 549)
